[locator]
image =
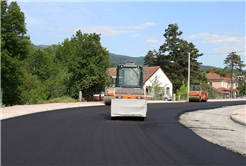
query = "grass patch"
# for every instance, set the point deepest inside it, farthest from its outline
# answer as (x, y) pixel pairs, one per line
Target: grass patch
(64, 99)
(2, 106)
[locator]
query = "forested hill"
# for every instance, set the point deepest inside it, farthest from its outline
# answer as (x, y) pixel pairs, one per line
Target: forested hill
(121, 59)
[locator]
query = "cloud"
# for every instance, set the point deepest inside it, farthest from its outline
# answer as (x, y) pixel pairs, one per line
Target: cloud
(199, 36)
(225, 42)
(218, 39)
(49, 28)
(145, 25)
(151, 41)
(226, 49)
(222, 40)
(58, 36)
(136, 35)
(109, 30)
(104, 30)
(32, 21)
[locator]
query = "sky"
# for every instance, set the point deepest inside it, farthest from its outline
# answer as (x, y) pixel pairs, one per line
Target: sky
(132, 28)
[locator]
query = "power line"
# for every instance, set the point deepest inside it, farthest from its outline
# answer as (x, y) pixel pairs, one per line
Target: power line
(220, 53)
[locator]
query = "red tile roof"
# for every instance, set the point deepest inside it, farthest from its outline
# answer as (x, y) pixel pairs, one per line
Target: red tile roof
(219, 90)
(214, 76)
(112, 71)
(149, 71)
(222, 88)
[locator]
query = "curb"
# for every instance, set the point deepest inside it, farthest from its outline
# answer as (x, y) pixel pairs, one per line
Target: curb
(38, 109)
(237, 120)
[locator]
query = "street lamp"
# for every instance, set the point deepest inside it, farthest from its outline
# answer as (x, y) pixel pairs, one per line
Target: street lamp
(188, 76)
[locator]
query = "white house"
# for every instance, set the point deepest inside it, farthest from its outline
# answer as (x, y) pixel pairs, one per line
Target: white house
(149, 74)
(152, 72)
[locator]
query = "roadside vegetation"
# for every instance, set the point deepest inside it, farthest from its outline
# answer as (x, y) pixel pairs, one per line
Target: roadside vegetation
(63, 99)
(56, 73)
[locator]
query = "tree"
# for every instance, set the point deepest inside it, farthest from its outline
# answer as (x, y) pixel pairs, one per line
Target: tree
(232, 62)
(87, 61)
(183, 91)
(241, 86)
(50, 71)
(150, 58)
(14, 50)
(173, 57)
(155, 89)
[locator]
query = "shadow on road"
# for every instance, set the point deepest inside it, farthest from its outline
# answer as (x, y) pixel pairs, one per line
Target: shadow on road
(108, 117)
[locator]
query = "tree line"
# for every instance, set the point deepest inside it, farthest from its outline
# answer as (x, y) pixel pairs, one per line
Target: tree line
(30, 75)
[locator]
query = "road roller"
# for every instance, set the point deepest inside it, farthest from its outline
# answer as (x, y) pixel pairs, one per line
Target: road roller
(127, 98)
(196, 94)
(108, 95)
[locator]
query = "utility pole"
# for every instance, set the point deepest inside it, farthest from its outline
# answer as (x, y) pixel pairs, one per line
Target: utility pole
(188, 76)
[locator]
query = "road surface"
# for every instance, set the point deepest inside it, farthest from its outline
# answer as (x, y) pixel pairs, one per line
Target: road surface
(87, 136)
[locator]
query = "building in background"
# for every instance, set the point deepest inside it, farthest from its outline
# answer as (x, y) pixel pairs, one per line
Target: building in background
(222, 83)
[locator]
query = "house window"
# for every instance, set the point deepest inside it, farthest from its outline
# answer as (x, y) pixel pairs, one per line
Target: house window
(236, 84)
(168, 90)
(211, 83)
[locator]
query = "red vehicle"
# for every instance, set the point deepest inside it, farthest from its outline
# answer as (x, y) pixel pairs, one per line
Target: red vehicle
(196, 94)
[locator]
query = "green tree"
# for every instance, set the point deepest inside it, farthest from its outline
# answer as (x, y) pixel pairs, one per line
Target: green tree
(241, 86)
(150, 58)
(183, 91)
(50, 71)
(233, 62)
(173, 57)
(33, 90)
(14, 50)
(87, 61)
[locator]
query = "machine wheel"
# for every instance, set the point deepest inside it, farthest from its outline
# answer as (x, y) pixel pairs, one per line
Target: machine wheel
(107, 100)
(165, 99)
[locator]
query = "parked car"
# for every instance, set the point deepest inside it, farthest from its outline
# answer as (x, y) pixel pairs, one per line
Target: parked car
(167, 97)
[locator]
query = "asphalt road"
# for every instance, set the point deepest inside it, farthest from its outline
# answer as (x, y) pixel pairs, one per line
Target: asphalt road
(87, 136)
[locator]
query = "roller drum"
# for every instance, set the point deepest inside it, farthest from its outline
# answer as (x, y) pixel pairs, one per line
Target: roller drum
(194, 99)
(107, 100)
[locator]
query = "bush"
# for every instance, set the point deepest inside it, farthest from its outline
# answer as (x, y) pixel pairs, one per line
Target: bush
(64, 99)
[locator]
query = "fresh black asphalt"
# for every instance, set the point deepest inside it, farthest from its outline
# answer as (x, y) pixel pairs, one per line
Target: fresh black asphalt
(87, 136)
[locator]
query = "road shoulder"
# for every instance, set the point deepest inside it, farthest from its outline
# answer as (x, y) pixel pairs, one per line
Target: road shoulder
(215, 126)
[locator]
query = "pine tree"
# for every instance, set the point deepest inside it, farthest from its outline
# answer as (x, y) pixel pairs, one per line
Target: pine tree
(173, 57)
(232, 62)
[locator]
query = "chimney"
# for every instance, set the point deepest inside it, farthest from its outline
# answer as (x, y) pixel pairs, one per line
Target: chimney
(211, 71)
(227, 76)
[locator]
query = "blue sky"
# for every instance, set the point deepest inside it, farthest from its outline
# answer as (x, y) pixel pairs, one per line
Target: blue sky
(134, 27)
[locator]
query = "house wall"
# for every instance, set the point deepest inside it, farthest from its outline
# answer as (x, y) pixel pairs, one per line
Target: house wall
(163, 79)
(216, 84)
(234, 85)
